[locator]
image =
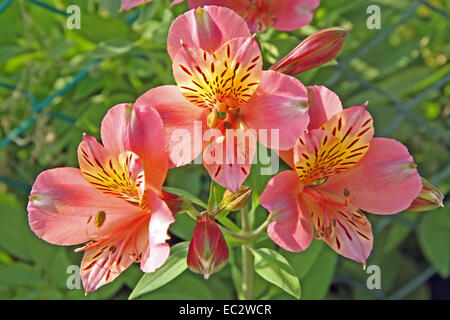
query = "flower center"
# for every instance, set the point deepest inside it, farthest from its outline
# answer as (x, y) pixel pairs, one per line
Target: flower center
(223, 80)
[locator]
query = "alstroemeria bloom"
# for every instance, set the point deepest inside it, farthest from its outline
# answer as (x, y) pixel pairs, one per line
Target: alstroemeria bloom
(339, 169)
(112, 203)
(217, 66)
(283, 15)
(129, 4)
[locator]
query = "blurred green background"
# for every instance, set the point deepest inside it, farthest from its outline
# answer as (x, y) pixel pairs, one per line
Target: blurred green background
(57, 83)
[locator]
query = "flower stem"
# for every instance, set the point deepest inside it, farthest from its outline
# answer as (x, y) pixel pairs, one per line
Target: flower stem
(247, 260)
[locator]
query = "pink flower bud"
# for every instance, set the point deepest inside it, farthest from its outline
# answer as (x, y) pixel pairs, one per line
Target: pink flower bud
(317, 49)
(208, 251)
(429, 198)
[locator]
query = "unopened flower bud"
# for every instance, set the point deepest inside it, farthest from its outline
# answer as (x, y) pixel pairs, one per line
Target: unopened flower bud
(317, 49)
(235, 201)
(208, 250)
(429, 198)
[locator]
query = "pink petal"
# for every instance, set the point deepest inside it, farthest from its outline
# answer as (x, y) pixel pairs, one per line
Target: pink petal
(114, 129)
(207, 29)
(141, 131)
(236, 5)
(157, 251)
(292, 14)
(182, 122)
(129, 4)
(385, 181)
(291, 229)
(230, 75)
(228, 159)
(341, 226)
(63, 207)
(108, 258)
(323, 104)
(119, 175)
(280, 103)
(148, 141)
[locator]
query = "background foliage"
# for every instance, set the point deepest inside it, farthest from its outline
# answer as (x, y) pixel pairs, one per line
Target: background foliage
(57, 83)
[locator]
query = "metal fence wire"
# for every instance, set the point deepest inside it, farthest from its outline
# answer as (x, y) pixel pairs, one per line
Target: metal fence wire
(343, 72)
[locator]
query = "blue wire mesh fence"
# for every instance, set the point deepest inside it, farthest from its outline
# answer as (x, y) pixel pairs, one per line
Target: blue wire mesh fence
(343, 72)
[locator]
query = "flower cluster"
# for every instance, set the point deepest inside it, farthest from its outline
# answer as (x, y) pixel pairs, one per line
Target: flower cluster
(114, 203)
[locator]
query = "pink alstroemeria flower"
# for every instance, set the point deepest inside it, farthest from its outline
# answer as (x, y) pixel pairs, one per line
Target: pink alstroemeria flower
(112, 203)
(217, 66)
(284, 15)
(339, 169)
(129, 4)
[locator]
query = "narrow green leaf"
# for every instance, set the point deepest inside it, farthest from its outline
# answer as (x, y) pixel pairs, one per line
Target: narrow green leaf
(173, 267)
(273, 267)
(215, 195)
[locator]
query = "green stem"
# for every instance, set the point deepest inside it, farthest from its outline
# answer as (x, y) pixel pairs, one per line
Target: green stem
(246, 236)
(247, 261)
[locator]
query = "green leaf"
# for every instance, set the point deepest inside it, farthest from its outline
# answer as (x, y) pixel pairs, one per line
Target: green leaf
(316, 282)
(187, 286)
(19, 274)
(215, 195)
(302, 262)
(183, 227)
(433, 235)
(173, 267)
(273, 267)
(315, 267)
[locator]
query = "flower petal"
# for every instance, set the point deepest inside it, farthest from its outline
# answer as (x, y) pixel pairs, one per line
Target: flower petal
(291, 229)
(107, 259)
(323, 105)
(342, 226)
(228, 159)
(336, 147)
(236, 5)
(129, 4)
(230, 75)
(126, 128)
(280, 103)
(183, 121)
(63, 207)
(292, 14)
(121, 176)
(148, 141)
(157, 250)
(207, 29)
(385, 181)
